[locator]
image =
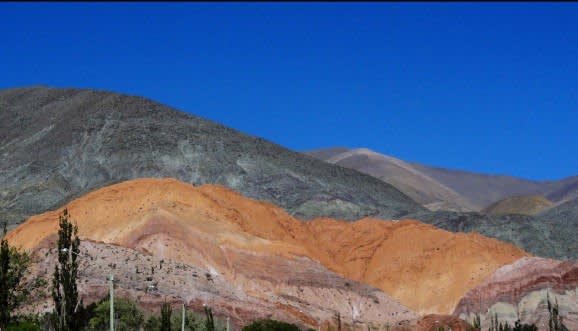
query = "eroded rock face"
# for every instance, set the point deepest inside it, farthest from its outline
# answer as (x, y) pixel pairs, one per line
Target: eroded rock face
(520, 289)
(215, 228)
(296, 290)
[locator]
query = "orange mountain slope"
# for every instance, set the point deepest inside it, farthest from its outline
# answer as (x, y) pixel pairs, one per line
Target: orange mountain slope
(425, 268)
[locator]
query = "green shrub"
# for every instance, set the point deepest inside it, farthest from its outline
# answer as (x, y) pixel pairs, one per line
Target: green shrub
(13, 266)
(209, 320)
(270, 325)
(153, 324)
(129, 316)
(166, 312)
(24, 326)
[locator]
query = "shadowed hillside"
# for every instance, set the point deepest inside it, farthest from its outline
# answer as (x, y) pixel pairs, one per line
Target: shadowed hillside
(564, 220)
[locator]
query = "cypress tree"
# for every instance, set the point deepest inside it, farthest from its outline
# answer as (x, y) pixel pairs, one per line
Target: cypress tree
(209, 321)
(4, 286)
(555, 320)
(166, 312)
(64, 288)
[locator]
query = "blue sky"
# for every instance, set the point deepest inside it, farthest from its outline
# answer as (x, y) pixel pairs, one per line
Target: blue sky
(486, 87)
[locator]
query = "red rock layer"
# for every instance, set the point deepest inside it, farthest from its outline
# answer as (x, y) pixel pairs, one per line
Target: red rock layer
(521, 288)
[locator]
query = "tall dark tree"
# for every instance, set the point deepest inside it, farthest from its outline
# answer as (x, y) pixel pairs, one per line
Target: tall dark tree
(555, 320)
(209, 321)
(13, 266)
(269, 325)
(4, 287)
(166, 312)
(64, 288)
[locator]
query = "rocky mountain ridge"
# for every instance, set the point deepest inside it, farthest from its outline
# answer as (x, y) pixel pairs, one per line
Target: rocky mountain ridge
(58, 144)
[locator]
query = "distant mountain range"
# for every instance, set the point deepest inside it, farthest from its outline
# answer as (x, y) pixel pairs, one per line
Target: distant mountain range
(58, 144)
(445, 189)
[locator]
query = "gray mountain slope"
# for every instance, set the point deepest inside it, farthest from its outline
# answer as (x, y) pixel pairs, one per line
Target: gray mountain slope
(552, 233)
(327, 153)
(57, 144)
(553, 237)
(564, 221)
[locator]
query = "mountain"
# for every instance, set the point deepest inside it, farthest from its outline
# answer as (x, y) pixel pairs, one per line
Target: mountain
(564, 225)
(426, 268)
(483, 189)
(547, 235)
(565, 190)
(446, 189)
(538, 236)
(525, 205)
(521, 290)
(398, 173)
(57, 144)
(257, 247)
(486, 189)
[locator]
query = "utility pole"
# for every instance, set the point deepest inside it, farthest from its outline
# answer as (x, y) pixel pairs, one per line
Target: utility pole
(111, 279)
(227, 323)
